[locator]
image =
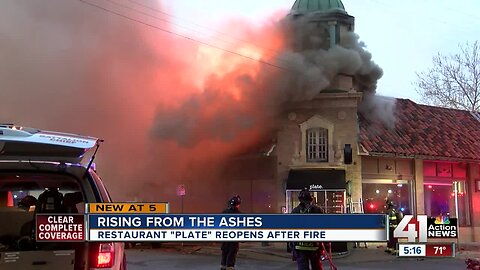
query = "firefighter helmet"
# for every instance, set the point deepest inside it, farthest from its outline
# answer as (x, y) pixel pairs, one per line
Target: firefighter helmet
(27, 201)
(305, 196)
(390, 203)
(235, 201)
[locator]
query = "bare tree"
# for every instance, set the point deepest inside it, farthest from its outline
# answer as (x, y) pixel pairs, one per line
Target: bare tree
(454, 80)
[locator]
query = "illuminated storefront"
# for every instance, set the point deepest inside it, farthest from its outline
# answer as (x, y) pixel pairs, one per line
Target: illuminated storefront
(427, 162)
(434, 188)
(446, 192)
(387, 179)
(328, 188)
(376, 192)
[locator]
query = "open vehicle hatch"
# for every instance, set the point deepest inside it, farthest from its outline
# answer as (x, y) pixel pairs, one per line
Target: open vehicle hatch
(20, 143)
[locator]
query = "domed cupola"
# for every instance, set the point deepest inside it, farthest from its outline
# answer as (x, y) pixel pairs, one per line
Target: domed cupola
(302, 6)
(329, 13)
(331, 23)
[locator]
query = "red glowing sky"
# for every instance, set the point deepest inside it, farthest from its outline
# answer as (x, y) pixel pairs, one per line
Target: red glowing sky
(152, 95)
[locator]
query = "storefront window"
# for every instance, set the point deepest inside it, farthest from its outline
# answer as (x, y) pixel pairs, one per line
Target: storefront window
(447, 199)
(375, 196)
(331, 201)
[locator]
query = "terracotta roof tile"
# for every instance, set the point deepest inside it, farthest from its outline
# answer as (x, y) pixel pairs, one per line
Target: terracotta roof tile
(422, 130)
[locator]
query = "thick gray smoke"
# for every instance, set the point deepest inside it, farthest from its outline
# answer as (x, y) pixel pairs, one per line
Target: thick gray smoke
(379, 109)
(301, 67)
(68, 66)
(315, 65)
(71, 67)
(304, 67)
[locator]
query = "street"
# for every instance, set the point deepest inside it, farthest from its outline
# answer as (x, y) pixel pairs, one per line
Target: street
(143, 259)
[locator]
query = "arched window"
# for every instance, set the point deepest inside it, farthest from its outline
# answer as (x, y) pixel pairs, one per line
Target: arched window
(317, 144)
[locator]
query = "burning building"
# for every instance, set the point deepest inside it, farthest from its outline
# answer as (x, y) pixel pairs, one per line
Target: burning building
(353, 149)
(315, 141)
(299, 111)
(284, 122)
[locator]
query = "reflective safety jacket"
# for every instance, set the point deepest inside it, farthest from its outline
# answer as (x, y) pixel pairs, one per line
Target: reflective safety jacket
(306, 209)
(392, 217)
(312, 246)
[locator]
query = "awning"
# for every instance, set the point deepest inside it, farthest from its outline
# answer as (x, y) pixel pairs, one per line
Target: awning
(316, 179)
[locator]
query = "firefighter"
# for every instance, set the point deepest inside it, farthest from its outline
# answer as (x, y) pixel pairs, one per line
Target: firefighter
(230, 249)
(27, 202)
(392, 223)
(307, 253)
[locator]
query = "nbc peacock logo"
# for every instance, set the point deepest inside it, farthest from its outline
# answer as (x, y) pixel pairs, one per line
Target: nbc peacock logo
(441, 219)
(442, 226)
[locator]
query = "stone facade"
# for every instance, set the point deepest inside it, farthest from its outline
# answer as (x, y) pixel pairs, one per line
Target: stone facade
(336, 112)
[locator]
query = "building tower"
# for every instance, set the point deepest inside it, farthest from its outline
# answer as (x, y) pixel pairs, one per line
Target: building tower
(317, 141)
(329, 22)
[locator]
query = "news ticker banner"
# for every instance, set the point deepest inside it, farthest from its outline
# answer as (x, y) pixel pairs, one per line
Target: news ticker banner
(239, 227)
(426, 250)
(150, 222)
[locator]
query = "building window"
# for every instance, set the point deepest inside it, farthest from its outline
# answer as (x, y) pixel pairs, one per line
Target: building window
(375, 195)
(448, 199)
(317, 145)
(317, 138)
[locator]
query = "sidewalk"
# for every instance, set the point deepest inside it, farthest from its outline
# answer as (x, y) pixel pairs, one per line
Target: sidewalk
(469, 250)
(278, 252)
(274, 251)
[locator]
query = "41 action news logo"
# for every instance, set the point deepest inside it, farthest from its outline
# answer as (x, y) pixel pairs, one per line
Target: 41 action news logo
(423, 227)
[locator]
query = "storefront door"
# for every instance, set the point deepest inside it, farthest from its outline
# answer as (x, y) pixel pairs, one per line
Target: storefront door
(327, 186)
(331, 201)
